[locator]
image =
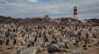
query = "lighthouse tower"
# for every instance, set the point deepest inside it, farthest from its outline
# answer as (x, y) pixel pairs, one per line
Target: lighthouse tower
(75, 13)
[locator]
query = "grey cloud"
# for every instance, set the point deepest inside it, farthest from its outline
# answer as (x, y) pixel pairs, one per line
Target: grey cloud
(54, 8)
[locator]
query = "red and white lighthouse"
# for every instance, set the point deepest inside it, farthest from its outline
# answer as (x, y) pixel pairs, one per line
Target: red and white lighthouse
(75, 13)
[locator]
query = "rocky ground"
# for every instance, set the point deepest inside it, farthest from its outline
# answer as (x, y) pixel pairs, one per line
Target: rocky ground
(49, 36)
(48, 39)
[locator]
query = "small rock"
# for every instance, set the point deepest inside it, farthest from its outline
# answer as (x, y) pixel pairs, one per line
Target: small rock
(34, 50)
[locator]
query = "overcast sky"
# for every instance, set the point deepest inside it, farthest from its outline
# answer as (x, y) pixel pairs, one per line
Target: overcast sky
(54, 8)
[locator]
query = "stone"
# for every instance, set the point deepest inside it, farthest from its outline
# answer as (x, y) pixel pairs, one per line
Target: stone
(34, 50)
